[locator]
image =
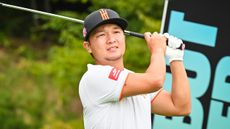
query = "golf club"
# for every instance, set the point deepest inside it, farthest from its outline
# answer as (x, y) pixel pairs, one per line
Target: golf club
(127, 32)
(62, 17)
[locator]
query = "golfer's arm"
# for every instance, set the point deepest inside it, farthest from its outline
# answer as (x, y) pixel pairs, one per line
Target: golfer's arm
(150, 81)
(178, 102)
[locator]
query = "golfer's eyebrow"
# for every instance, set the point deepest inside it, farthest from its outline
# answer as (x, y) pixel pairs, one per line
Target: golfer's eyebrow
(98, 30)
(117, 28)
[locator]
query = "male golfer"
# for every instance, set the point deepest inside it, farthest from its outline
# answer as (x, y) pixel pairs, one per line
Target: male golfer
(114, 97)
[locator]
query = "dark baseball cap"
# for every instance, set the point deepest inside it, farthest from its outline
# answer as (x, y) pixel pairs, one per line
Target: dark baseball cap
(100, 17)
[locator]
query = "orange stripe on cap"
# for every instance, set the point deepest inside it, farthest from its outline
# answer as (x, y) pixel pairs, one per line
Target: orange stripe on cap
(104, 14)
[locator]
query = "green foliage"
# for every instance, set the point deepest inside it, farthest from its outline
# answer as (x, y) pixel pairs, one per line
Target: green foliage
(39, 76)
(33, 91)
(137, 13)
(137, 55)
(57, 124)
(3, 40)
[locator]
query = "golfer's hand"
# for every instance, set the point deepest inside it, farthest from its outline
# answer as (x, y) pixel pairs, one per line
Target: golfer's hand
(172, 51)
(173, 42)
(156, 42)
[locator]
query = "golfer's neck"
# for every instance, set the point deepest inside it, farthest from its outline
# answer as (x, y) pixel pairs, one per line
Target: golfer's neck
(117, 64)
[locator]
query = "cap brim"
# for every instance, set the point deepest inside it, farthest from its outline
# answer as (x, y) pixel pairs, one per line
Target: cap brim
(119, 21)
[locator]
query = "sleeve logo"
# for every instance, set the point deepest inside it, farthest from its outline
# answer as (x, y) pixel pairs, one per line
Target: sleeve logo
(114, 74)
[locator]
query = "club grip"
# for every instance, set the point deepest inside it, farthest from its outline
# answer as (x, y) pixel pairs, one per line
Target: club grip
(139, 35)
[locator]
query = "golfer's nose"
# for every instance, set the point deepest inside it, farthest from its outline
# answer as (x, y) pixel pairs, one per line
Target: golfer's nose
(110, 38)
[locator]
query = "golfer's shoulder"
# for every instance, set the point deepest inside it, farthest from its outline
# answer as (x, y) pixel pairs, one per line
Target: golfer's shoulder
(97, 71)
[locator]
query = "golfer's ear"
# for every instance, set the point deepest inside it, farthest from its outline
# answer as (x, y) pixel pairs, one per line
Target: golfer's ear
(86, 45)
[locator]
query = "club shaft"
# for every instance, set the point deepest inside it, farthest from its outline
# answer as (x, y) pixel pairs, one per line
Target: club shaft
(41, 12)
(131, 33)
(139, 35)
(127, 32)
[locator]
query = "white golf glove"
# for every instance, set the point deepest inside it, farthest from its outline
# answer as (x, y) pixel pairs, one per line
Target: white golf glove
(175, 48)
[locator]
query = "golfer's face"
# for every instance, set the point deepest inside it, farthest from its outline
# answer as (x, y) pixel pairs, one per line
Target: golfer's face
(107, 43)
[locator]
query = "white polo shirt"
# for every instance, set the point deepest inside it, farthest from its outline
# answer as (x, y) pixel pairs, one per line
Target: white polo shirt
(100, 89)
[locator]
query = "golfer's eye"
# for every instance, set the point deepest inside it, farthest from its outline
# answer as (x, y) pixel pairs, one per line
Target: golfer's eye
(100, 35)
(117, 32)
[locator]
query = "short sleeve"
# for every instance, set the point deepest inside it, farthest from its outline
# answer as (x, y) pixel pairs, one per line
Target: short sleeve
(154, 95)
(105, 83)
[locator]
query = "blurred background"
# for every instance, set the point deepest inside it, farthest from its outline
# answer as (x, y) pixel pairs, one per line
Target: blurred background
(42, 58)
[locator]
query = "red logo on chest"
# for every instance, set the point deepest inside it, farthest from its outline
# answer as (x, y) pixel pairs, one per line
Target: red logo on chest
(114, 74)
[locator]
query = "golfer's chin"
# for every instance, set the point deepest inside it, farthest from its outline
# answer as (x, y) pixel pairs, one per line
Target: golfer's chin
(114, 57)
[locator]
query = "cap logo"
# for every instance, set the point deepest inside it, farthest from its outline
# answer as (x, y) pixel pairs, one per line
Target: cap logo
(84, 32)
(104, 14)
